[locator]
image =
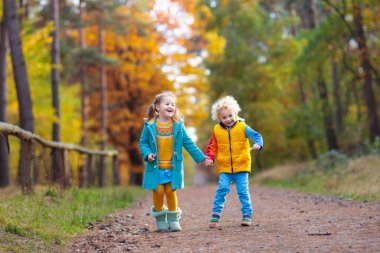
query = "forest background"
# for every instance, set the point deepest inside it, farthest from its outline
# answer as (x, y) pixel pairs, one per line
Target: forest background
(306, 73)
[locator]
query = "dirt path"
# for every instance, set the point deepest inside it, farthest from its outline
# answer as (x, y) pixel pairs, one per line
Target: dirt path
(284, 221)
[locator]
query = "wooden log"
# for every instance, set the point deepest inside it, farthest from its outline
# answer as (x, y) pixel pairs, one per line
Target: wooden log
(62, 149)
(10, 129)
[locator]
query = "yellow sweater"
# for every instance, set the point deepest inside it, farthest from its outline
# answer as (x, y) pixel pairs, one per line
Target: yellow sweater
(164, 144)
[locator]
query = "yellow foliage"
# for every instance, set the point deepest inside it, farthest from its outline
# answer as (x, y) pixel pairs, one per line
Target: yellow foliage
(216, 45)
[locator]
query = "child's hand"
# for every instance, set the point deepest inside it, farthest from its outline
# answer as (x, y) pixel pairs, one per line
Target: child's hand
(256, 147)
(151, 157)
(207, 162)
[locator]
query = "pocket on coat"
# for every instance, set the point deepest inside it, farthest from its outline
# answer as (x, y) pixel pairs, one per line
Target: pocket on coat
(150, 166)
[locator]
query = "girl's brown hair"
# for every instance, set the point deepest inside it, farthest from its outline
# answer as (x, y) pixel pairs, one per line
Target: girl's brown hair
(152, 113)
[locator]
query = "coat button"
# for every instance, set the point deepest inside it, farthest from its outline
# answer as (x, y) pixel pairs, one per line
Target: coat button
(155, 166)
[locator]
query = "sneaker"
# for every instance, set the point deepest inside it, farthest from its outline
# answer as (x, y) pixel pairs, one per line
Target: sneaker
(246, 221)
(214, 222)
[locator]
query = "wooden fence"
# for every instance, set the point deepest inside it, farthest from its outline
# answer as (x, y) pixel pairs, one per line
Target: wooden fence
(86, 171)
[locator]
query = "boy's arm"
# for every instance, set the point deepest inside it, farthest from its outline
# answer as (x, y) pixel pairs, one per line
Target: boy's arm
(255, 136)
(212, 147)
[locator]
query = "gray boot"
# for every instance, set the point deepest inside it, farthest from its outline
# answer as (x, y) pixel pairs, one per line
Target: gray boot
(161, 221)
(173, 220)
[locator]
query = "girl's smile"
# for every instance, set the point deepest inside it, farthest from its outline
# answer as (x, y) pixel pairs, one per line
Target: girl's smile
(166, 108)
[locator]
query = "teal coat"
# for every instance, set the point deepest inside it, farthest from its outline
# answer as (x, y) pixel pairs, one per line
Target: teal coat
(148, 145)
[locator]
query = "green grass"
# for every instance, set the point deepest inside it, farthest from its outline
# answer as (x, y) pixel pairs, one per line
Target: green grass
(356, 179)
(45, 221)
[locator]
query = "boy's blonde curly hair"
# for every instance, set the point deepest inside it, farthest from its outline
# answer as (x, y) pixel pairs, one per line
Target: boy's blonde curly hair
(227, 102)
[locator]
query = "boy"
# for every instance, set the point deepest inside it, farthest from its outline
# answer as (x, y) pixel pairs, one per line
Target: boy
(229, 145)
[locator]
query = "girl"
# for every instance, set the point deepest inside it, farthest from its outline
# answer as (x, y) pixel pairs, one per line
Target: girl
(161, 143)
(230, 147)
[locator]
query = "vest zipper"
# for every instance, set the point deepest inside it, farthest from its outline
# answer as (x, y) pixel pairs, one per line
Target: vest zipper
(229, 140)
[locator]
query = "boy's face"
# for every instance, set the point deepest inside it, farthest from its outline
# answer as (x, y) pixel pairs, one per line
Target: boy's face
(227, 117)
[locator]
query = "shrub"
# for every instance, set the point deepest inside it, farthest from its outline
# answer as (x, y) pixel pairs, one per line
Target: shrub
(331, 159)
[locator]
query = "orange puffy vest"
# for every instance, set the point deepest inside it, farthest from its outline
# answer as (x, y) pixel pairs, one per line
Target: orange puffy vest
(233, 149)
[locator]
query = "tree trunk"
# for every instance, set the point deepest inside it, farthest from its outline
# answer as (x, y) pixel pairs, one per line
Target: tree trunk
(306, 12)
(332, 142)
(27, 149)
(5, 178)
(309, 139)
(20, 76)
(83, 77)
(55, 61)
(337, 96)
(24, 5)
(355, 93)
(103, 99)
(369, 95)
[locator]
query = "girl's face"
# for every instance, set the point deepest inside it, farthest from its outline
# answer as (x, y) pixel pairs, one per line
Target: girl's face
(166, 108)
(227, 117)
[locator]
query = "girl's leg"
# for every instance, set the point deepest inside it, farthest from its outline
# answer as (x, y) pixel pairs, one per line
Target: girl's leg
(159, 211)
(174, 213)
(158, 198)
(242, 188)
(171, 197)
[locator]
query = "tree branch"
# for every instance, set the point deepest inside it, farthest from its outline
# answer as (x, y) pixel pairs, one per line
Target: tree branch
(342, 16)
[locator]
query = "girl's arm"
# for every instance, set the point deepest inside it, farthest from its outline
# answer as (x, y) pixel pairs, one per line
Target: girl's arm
(144, 143)
(253, 135)
(212, 147)
(191, 148)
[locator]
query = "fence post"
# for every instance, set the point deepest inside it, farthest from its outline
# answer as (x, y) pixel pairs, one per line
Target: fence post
(81, 176)
(63, 167)
(83, 171)
(90, 170)
(115, 170)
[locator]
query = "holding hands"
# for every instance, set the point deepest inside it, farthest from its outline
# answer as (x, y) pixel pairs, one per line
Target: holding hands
(207, 162)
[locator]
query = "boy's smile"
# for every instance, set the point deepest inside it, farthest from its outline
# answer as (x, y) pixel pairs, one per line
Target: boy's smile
(227, 117)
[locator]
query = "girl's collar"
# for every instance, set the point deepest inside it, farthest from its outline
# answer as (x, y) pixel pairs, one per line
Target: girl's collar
(162, 122)
(152, 121)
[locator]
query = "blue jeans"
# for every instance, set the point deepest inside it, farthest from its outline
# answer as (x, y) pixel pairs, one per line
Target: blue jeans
(242, 189)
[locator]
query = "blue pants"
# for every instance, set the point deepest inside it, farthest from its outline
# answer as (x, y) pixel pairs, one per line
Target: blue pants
(242, 189)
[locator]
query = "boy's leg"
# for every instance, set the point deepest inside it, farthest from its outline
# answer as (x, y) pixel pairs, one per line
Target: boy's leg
(242, 188)
(220, 198)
